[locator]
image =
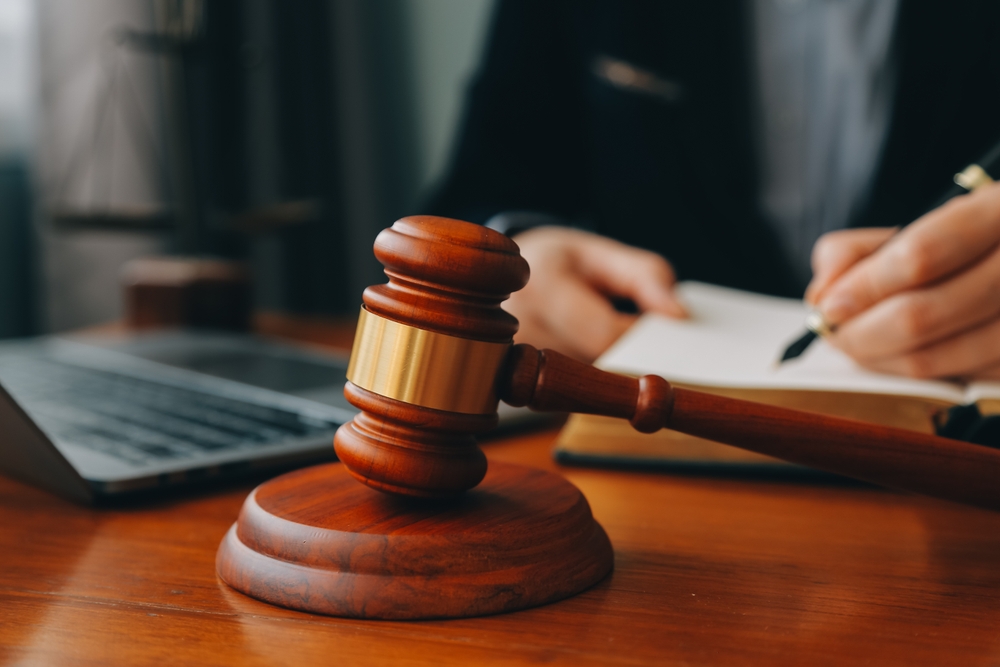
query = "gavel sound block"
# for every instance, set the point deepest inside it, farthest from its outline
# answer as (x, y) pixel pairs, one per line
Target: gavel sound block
(425, 534)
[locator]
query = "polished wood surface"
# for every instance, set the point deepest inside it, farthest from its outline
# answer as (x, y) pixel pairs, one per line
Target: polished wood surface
(707, 571)
(447, 277)
(893, 457)
(450, 277)
(899, 459)
(316, 540)
(411, 541)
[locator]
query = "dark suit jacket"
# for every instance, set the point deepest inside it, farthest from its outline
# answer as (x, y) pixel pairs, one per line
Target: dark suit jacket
(543, 133)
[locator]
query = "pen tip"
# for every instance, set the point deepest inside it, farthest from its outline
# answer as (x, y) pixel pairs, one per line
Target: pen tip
(798, 347)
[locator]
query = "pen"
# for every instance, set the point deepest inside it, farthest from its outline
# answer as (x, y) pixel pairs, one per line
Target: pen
(974, 176)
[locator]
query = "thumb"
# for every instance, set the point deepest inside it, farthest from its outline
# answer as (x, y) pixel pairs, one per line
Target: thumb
(625, 271)
(836, 252)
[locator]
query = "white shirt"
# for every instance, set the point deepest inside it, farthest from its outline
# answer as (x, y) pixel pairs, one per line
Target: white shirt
(825, 81)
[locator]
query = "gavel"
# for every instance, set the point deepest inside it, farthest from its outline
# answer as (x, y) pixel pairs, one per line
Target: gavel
(432, 358)
(433, 355)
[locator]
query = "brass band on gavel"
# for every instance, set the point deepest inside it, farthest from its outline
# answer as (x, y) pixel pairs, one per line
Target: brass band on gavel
(425, 368)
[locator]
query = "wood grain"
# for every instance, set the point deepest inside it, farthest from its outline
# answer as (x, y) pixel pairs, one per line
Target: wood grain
(896, 458)
(707, 571)
(411, 451)
(892, 457)
(448, 277)
(316, 540)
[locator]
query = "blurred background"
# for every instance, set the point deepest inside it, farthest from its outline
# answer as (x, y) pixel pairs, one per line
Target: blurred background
(284, 134)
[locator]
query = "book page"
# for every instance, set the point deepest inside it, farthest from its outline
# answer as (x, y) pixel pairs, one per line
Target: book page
(734, 339)
(987, 394)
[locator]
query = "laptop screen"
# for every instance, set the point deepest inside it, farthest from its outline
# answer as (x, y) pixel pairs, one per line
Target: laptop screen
(270, 371)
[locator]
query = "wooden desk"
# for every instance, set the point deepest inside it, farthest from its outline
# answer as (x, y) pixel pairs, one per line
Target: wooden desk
(707, 571)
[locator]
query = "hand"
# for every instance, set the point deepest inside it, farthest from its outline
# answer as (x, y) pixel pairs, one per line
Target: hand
(924, 302)
(566, 306)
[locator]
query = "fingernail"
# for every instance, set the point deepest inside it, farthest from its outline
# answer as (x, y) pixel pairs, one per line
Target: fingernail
(837, 308)
(663, 301)
(673, 307)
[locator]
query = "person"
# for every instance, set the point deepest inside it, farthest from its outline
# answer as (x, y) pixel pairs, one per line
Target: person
(770, 145)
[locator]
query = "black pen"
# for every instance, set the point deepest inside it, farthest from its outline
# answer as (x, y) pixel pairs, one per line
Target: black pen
(974, 176)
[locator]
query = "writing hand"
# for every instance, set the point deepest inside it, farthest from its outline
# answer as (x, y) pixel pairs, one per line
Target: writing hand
(566, 306)
(924, 302)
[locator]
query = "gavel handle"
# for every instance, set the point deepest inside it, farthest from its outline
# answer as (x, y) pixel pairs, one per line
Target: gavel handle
(900, 459)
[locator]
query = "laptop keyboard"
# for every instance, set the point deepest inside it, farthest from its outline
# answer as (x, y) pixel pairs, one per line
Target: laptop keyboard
(140, 421)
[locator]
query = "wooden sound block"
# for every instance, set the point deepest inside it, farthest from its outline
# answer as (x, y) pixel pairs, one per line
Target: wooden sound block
(315, 540)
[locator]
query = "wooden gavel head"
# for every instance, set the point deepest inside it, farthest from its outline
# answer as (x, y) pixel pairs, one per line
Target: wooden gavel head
(429, 346)
(434, 352)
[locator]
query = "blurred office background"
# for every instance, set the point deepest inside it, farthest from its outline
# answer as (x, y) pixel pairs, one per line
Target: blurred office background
(285, 134)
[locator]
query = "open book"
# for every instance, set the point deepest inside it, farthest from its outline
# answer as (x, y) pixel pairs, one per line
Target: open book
(731, 346)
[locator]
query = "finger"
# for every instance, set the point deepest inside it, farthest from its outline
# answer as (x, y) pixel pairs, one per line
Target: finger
(580, 319)
(836, 252)
(964, 355)
(586, 320)
(532, 330)
(541, 337)
(914, 319)
(642, 276)
(938, 244)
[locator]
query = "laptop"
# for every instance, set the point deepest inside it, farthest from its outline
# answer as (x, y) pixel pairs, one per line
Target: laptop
(103, 417)
(95, 417)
